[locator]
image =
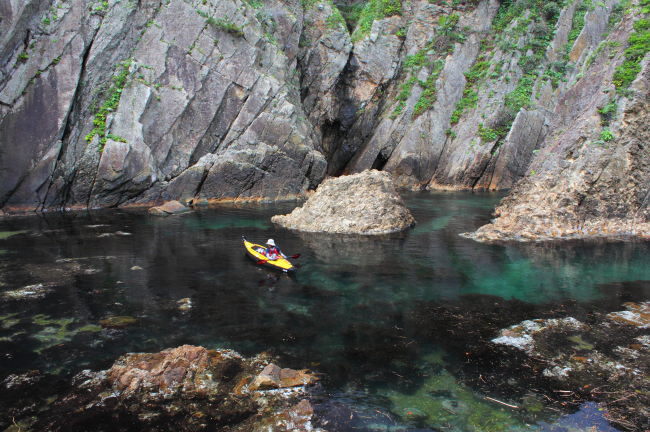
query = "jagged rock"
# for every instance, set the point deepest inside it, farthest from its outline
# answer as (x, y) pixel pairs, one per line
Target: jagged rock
(169, 208)
(364, 203)
(274, 377)
(580, 185)
(235, 100)
(188, 93)
(187, 388)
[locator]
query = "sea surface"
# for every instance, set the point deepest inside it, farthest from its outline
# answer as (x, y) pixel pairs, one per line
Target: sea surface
(377, 316)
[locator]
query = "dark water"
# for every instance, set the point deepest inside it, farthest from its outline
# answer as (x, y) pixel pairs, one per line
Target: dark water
(364, 311)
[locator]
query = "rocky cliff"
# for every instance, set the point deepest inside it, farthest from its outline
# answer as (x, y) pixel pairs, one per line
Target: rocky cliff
(119, 102)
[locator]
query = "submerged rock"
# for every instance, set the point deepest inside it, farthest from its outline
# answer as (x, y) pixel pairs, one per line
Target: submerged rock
(521, 336)
(187, 388)
(364, 203)
(637, 314)
(612, 351)
(169, 208)
(184, 304)
(118, 321)
(30, 292)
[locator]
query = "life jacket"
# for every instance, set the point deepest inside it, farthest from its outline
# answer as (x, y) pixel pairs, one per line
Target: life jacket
(273, 252)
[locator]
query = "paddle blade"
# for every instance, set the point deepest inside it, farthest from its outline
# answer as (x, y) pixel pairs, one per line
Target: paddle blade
(262, 261)
(295, 256)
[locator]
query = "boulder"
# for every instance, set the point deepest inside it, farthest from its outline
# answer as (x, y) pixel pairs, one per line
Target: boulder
(169, 208)
(364, 203)
(188, 388)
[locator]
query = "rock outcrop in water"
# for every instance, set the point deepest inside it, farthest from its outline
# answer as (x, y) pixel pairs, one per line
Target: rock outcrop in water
(168, 208)
(188, 388)
(117, 103)
(606, 359)
(364, 203)
(585, 182)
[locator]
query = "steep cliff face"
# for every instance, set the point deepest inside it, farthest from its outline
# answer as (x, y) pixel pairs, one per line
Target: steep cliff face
(589, 179)
(122, 102)
(111, 103)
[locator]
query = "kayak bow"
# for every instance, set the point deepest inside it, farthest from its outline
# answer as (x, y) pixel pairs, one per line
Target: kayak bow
(252, 250)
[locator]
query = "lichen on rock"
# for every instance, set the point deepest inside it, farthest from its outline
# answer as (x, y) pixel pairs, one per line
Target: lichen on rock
(364, 203)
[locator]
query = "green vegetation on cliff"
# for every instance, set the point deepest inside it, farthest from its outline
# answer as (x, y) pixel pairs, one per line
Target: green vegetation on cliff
(638, 47)
(374, 10)
(110, 104)
(430, 56)
(530, 21)
(579, 20)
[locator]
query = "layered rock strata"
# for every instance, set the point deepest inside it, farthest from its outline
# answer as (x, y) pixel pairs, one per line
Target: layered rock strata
(580, 184)
(364, 203)
(117, 103)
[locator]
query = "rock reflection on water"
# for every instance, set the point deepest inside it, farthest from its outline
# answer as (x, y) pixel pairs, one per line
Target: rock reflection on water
(388, 320)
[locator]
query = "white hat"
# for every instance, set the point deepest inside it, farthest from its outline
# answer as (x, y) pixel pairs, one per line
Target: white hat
(270, 242)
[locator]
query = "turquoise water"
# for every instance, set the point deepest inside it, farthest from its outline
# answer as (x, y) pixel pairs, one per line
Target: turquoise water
(364, 311)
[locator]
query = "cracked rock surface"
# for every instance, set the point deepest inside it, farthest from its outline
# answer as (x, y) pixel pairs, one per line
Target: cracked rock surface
(122, 103)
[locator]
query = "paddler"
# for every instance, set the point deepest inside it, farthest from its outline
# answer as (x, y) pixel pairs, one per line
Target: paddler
(272, 251)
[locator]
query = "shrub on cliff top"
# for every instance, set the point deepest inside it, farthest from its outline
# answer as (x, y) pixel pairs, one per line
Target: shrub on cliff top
(551, 11)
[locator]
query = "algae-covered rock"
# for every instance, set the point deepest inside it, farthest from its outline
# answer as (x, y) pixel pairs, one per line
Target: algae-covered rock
(364, 203)
(612, 350)
(187, 388)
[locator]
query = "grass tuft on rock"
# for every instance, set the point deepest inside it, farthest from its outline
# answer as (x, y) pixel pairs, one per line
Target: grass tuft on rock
(638, 47)
(110, 105)
(375, 10)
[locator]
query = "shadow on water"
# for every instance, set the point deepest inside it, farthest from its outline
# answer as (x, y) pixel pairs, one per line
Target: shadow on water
(387, 319)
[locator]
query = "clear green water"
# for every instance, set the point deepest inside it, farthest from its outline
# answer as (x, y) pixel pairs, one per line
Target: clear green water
(358, 310)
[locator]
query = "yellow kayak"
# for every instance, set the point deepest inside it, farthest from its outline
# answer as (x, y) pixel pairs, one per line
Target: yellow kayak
(254, 252)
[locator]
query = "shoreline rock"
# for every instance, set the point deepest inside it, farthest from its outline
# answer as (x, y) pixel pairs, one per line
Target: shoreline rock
(584, 187)
(187, 388)
(364, 203)
(169, 208)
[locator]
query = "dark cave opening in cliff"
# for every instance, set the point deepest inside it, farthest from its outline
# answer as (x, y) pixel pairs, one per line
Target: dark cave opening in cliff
(380, 162)
(334, 147)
